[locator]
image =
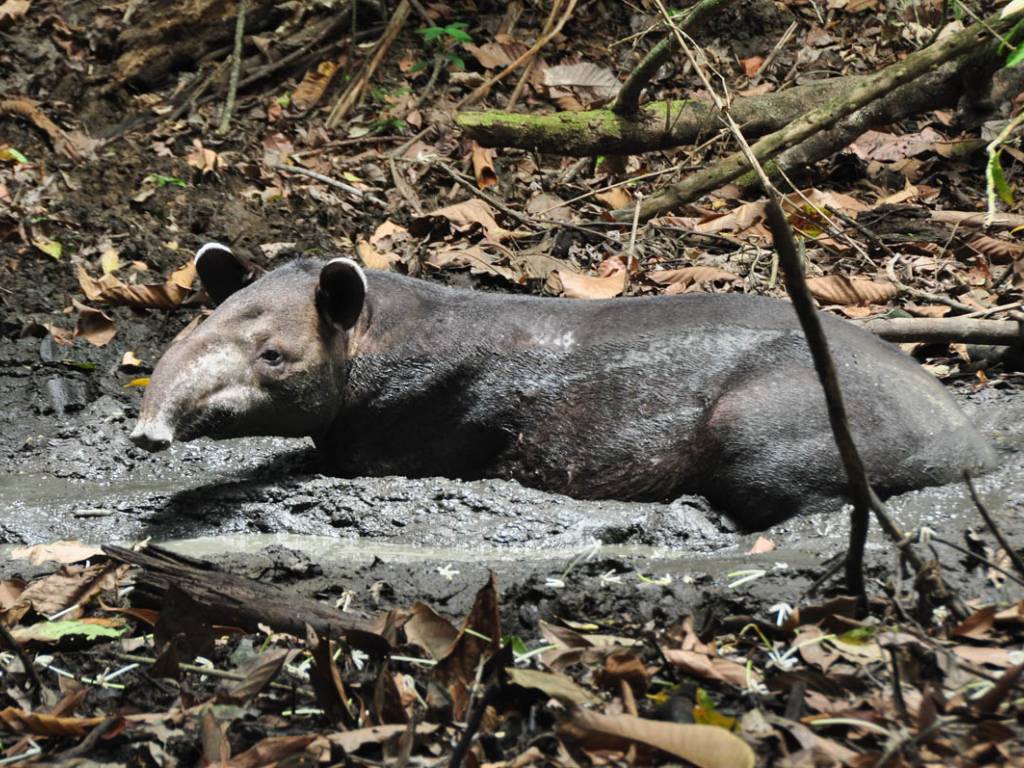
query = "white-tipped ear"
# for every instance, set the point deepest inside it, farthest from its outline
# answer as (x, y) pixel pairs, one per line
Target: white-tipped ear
(221, 271)
(208, 247)
(342, 291)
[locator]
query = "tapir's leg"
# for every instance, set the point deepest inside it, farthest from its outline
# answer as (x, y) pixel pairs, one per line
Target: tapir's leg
(766, 451)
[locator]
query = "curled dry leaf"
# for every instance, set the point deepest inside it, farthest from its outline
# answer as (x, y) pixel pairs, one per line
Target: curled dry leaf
(838, 289)
(206, 160)
(38, 724)
(94, 326)
(459, 219)
(706, 746)
(374, 259)
(483, 166)
(313, 85)
(577, 286)
(111, 290)
(479, 260)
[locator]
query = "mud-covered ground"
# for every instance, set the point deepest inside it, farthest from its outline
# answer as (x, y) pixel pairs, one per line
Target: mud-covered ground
(258, 506)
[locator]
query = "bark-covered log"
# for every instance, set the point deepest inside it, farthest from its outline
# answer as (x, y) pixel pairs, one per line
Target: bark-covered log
(657, 125)
(230, 600)
(166, 35)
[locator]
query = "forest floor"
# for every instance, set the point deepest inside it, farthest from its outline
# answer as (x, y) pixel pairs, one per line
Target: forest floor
(611, 610)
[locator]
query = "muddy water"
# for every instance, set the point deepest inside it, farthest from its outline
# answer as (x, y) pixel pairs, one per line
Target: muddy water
(85, 480)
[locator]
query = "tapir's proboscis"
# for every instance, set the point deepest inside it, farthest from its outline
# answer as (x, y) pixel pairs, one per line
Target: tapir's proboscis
(631, 398)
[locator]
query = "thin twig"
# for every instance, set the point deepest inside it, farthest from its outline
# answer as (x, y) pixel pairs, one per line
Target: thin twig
(236, 68)
(991, 523)
(482, 90)
(767, 63)
(549, 24)
(86, 745)
(473, 721)
(983, 560)
(30, 670)
(354, 191)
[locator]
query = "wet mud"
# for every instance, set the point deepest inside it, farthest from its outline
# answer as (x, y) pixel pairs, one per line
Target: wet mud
(261, 507)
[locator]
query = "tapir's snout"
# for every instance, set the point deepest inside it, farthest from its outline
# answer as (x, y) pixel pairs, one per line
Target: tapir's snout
(152, 436)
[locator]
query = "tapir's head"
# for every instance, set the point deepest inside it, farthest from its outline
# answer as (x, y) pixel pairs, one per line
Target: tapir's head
(270, 360)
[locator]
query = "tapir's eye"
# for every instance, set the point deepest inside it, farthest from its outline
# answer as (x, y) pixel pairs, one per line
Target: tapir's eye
(271, 356)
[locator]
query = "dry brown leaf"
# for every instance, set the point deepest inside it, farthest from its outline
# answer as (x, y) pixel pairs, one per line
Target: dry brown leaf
(707, 746)
(374, 259)
(586, 82)
(616, 197)
(58, 551)
(761, 546)
(838, 289)
(429, 631)
(470, 648)
(206, 160)
(479, 260)
(483, 166)
(38, 724)
(460, 218)
(351, 741)
(12, 10)
(736, 220)
(558, 687)
(711, 667)
(496, 55)
(274, 750)
(313, 85)
(999, 251)
(111, 290)
(579, 286)
(752, 65)
(71, 584)
(977, 626)
(927, 310)
(549, 207)
(94, 326)
(886, 147)
(687, 277)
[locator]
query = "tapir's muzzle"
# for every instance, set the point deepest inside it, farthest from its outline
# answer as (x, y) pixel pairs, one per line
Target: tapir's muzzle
(153, 436)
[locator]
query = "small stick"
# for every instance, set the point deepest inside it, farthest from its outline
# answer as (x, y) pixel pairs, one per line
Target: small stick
(991, 523)
(763, 69)
(236, 68)
(85, 745)
(327, 180)
(983, 560)
(549, 23)
(473, 722)
(30, 670)
(631, 251)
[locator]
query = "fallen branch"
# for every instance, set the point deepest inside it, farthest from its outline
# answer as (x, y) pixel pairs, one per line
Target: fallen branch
(351, 95)
(658, 125)
(871, 88)
(236, 67)
(952, 330)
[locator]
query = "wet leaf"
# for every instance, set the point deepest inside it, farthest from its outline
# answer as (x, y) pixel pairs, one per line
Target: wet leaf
(703, 745)
(94, 326)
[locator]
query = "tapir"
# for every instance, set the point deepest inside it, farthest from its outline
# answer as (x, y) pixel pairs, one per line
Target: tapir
(630, 398)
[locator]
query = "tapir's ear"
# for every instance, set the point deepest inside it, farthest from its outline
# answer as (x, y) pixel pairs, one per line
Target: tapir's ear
(342, 292)
(221, 272)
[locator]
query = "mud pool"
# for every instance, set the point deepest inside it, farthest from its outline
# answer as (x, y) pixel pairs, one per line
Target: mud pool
(259, 506)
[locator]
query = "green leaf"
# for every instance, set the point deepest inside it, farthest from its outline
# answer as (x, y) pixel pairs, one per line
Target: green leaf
(162, 181)
(51, 248)
(1016, 57)
(457, 31)
(456, 60)
(284, 100)
(55, 630)
(430, 34)
(999, 180)
(10, 153)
